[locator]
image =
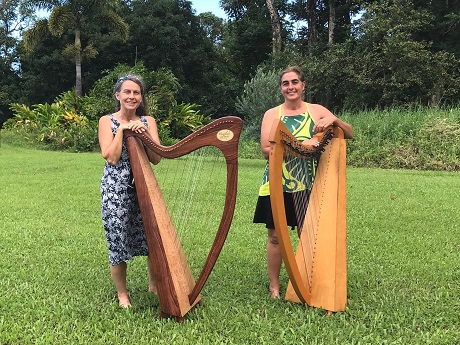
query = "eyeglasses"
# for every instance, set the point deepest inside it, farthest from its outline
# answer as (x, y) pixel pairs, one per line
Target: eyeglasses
(129, 77)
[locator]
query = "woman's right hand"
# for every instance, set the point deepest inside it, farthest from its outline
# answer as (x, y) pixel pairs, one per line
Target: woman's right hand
(309, 143)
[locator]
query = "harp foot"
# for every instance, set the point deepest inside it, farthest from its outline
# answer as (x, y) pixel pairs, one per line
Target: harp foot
(179, 319)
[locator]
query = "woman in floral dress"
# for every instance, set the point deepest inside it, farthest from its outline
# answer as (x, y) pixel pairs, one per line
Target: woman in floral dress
(121, 215)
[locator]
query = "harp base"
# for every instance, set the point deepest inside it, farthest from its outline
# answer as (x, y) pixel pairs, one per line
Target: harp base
(179, 319)
(316, 302)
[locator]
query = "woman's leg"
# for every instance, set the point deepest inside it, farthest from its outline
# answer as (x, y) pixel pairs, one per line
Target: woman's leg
(118, 273)
(274, 261)
(152, 282)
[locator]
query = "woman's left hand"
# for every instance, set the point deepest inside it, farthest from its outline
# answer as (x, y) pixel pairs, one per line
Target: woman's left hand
(324, 123)
(137, 126)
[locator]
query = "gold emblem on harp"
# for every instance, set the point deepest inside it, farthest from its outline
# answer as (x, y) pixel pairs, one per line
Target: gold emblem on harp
(225, 135)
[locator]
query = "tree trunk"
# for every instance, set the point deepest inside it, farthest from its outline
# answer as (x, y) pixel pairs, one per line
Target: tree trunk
(310, 9)
(276, 27)
(78, 81)
(332, 21)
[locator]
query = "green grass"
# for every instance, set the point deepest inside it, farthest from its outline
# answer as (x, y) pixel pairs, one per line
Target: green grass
(55, 287)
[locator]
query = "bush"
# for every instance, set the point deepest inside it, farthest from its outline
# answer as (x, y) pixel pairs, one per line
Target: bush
(57, 126)
(70, 122)
(161, 86)
(422, 139)
(419, 139)
(260, 94)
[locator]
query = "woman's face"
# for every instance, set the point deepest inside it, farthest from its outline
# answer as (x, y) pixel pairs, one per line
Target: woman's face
(130, 96)
(291, 86)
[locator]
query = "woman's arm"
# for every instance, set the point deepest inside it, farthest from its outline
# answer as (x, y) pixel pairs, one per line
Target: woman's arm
(110, 144)
(324, 118)
(267, 122)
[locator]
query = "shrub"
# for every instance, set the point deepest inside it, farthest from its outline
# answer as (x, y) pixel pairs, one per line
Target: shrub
(161, 87)
(422, 139)
(58, 126)
(260, 94)
(70, 122)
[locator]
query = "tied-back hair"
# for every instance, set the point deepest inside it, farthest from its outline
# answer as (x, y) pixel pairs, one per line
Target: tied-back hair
(142, 109)
(296, 69)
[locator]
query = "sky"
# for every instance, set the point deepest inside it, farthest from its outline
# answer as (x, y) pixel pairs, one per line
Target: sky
(201, 6)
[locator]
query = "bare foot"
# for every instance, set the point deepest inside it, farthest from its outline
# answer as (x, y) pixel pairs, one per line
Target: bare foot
(123, 300)
(274, 293)
(153, 290)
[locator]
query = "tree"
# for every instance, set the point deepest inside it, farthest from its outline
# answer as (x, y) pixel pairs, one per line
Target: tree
(167, 34)
(395, 68)
(73, 15)
(310, 9)
(332, 21)
(444, 28)
(248, 39)
(213, 26)
(14, 17)
(276, 27)
(322, 23)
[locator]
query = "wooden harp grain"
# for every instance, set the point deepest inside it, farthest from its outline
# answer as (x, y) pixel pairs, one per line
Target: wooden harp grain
(178, 292)
(317, 269)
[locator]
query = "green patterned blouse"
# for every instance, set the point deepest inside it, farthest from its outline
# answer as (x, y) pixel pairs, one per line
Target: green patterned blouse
(298, 174)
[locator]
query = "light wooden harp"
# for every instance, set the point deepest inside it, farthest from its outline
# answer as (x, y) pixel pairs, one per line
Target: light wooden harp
(317, 270)
(177, 290)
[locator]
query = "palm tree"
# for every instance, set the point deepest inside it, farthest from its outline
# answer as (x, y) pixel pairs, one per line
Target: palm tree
(71, 14)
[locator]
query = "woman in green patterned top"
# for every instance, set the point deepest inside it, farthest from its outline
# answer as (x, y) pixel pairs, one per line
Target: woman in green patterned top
(303, 120)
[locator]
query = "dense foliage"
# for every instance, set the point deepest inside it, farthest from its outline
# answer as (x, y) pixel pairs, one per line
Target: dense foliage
(419, 139)
(357, 55)
(70, 122)
(59, 125)
(380, 53)
(71, 16)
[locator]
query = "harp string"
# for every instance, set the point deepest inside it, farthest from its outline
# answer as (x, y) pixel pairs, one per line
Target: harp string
(194, 190)
(303, 170)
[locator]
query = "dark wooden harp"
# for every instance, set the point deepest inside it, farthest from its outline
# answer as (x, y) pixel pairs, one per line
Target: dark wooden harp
(177, 290)
(317, 271)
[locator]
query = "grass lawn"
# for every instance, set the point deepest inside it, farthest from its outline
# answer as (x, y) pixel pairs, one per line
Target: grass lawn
(55, 286)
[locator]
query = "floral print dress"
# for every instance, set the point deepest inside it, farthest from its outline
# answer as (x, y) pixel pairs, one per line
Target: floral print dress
(121, 214)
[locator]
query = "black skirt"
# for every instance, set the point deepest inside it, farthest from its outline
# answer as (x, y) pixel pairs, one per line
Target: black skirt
(263, 213)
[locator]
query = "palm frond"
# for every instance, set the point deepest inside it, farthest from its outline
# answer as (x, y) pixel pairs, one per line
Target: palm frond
(89, 52)
(43, 5)
(59, 19)
(69, 51)
(33, 35)
(115, 23)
